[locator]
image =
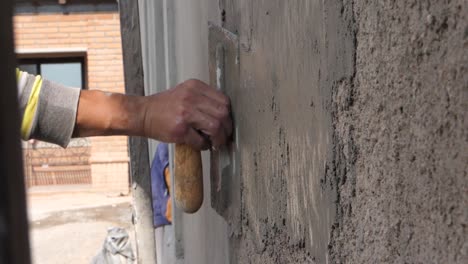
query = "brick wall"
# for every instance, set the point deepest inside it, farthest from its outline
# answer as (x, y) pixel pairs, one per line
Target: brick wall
(99, 34)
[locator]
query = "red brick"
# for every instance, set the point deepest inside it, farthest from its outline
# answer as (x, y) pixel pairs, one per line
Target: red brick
(73, 29)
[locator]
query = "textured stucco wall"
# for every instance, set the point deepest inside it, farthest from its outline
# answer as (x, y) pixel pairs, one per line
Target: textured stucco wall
(394, 152)
(352, 126)
(401, 128)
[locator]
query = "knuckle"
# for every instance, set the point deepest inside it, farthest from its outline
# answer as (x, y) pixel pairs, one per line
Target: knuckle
(215, 125)
(185, 95)
(185, 102)
(191, 83)
(226, 101)
(183, 113)
(223, 111)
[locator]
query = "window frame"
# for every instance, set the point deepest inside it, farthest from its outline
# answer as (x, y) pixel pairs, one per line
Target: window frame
(56, 57)
(67, 7)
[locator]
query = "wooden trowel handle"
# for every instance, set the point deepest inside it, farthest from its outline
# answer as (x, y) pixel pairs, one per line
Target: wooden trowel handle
(188, 178)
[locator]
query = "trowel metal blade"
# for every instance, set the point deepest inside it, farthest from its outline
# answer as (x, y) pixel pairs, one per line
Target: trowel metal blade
(220, 162)
(223, 68)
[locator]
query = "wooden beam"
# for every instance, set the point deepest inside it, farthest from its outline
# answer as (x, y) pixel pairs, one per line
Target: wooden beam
(14, 245)
(139, 158)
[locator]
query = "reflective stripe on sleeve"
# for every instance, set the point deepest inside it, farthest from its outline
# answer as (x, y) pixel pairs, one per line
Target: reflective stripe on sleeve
(31, 108)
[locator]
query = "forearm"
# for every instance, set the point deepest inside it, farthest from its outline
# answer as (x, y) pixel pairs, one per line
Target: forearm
(102, 114)
(191, 113)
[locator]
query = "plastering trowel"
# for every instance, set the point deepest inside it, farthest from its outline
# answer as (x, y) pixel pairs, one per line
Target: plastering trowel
(188, 180)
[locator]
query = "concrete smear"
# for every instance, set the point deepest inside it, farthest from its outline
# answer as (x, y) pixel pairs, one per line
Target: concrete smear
(292, 53)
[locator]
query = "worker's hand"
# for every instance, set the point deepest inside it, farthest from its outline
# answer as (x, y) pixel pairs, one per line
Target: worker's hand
(191, 112)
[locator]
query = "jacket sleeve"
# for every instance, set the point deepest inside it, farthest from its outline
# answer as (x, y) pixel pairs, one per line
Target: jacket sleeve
(48, 110)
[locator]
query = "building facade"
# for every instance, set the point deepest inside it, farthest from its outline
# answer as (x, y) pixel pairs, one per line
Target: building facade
(79, 46)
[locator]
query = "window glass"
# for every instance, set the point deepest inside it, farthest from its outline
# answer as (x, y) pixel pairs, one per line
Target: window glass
(68, 73)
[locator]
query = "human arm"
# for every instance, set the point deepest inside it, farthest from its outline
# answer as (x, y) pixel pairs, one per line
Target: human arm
(177, 115)
(54, 113)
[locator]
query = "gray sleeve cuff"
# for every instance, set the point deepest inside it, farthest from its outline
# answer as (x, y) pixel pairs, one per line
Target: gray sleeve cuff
(56, 113)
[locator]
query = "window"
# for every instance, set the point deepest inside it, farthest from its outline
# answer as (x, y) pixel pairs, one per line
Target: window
(64, 6)
(69, 71)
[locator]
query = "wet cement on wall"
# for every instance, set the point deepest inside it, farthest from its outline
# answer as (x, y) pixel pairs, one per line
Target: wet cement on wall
(291, 55)
(401, 135)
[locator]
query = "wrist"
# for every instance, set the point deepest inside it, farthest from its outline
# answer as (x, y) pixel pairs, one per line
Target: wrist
(101, 114)
(128, 115)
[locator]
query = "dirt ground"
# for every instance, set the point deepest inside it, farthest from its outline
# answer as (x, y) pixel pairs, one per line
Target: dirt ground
(69, 225)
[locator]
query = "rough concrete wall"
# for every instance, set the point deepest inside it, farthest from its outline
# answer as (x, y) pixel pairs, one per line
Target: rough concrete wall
(390, 142)
(401, 131)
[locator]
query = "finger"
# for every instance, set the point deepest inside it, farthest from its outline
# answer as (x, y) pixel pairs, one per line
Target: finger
(208, 125)
(219, 138)
(194, 139)
(216, 110)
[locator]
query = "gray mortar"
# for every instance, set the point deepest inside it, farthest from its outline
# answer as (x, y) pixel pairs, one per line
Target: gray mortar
(401, 131)
(292, 54)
